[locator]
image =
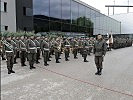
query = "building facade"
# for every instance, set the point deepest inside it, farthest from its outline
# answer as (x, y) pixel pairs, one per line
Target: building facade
(8, 15)
(24, 15)
(71, 16)
(16, 15)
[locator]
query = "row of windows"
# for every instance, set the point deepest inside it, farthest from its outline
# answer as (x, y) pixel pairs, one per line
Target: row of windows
(71, 12)
(46, 26)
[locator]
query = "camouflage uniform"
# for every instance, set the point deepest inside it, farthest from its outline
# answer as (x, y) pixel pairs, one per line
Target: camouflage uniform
(75, 48)
(23, 52)
(15, 48)
(57, 51)
(45, 51)
(38, 50)
(100, 48)
(85, 50)
(67, 49)
(32, 50)
(9, 56)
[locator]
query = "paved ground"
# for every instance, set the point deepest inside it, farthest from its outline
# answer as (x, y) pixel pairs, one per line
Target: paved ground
(78, 82)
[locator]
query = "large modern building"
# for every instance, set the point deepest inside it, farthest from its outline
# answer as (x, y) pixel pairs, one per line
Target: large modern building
(71, 16)
(68, 16)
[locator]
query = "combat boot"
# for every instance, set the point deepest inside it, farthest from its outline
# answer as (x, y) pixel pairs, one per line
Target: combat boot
(75, 57)
(100, 71)
(85, 60)
(32, 67)
(67, 59)
(49, 60)
(46, 64)
(12, 71)
(97, 71)
(57, 61)
(3, 58)
(9, 72)
(37, 62)
(23, 64)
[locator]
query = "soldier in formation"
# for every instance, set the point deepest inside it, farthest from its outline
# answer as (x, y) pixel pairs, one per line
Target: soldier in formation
(32, 51)
(9, 52)
(122, 43)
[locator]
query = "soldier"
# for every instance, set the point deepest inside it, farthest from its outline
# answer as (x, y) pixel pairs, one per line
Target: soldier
(85, 50)
(90, 45)
(75, 48)
(17, 42)
(32, 50)
(80, 44)
(3, 49)
(67, 49)
(99, 51)
(45, 51)
(37, 39)
(57, 50)
(9, 54)
(49, 44)
(23, 50)
(52, 47)
(15, 47)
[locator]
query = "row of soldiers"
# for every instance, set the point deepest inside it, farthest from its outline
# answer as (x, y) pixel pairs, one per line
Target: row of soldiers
(31, 48)
(122, 43)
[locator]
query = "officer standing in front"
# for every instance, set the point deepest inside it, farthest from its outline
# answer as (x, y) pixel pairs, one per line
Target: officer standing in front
(100, 48)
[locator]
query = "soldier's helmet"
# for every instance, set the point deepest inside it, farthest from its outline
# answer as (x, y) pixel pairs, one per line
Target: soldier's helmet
(38, 35)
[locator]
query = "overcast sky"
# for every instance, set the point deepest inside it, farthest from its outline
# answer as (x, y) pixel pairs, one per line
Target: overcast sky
(100, 4)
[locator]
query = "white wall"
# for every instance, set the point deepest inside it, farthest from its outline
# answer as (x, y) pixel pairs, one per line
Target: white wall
(126, 22)
(9, 18)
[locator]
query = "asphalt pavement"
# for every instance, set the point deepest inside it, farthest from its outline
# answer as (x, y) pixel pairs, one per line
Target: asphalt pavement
(72, 80)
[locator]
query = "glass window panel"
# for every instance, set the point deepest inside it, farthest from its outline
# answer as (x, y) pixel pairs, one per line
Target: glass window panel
(81, 29)
(88, 19)
(74, 12)
(55, 9)
(82, 14)
(65, 27)
(66, 14)
(92, 18)
(41, 25)
(55, 26)
(29, 12)
(41, 7)
(74, 28)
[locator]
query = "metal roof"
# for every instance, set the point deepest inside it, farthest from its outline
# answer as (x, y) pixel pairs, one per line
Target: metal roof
(86, 5)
